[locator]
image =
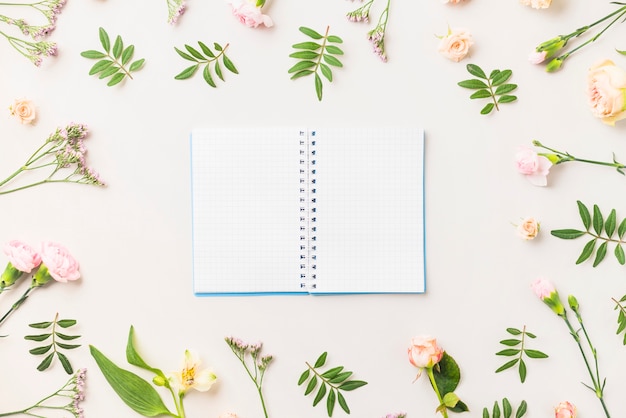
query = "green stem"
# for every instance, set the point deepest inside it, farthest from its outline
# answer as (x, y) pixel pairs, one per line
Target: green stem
(565, 157)
(16, 305)
(431, 376)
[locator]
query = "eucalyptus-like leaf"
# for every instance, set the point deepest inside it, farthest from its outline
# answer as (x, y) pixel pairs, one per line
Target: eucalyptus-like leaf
(476, 71)
(610, 223)
(320, 394)
(493, 87)
(205, 56)
(321, 360)
(567, 233)
(587, 251)
(310, 32)
(584, 214)
(600, 253)
(598, 222)
(39, 337)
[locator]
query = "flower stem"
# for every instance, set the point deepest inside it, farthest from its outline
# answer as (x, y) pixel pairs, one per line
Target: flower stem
(564, 157)
(431, 377)
(16, 305)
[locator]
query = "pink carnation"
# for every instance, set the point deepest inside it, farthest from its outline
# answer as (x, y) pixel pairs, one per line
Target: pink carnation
(59, 262)
(534, 166)
(249, 14)
(22, 256)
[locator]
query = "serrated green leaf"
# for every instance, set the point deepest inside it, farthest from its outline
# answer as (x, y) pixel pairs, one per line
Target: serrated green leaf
(567, 233)
(207, 51)
(185, 55)
(330, 403)
(473, 84)
(107, 72)
(611, 223)
(311, 385)
(500, 77)
(476, 71)
(340, 377)
(229, 64)
(39, 338)
(619, 254)
(513, 331)
(307, 45)
(206, 74)
(218, 70)
(104, 39)
(301, 74)
(302, 65)
(332, 61)
(136, 65)
(138, 394)
(320, 394)
(331, 49)
(621, 229)
(194, 52)
(66, 337)
(505, 88)
(67, 346)
(118, 47)
(351, 385)
(587, 251)
(45, 363)
(600, 253)
(307, 55)
(116, 79)
(304, 376)
(40, 350)
(521, 410)
(91, 54)
(66, 323)
(480, 94)
(342, 403)
(334, 39)
(508, 352)
(310, 32)
(65, 363)
(318, 87)
(506, 408)
(128, 54)
(507, 365)
(330, 373)
(507, 99)
(326, 71)
(511, 342)
(535, 353)
(584, 214)
(487, 109)
(187, 72)
(598, 222)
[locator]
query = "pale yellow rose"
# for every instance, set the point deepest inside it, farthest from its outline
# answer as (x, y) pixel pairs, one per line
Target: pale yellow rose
(23, 110)
(537, 4)
(456, 44)
(606, 88)
(528, 229)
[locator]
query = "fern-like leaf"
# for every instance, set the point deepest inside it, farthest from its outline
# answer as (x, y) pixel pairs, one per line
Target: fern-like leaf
(207, 57)
(55, 345)
(494, 86)
(519, 352)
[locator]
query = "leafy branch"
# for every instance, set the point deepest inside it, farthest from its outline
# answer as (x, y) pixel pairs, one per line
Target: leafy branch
(315, 57)
(485, 89)
(506, 411)
(333, 381)
(55, 345)
(112, 62)
(518, 352)
(206, 57)
(621, 317)
(609, 226)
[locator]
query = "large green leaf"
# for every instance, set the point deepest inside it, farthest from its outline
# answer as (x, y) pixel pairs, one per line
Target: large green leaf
(448, 374)
(133, 357)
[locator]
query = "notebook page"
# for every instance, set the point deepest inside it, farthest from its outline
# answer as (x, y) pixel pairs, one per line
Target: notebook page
(370, 235)
(245, 210)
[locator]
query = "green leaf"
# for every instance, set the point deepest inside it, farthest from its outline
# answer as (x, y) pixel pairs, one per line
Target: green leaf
(342, 403)
(91, 54)
(340, 377)
(513, 331)
(332, 60)
(476, 71)
(66, 323)
(40, 325)
(46, 362)
(307, 55)
(307, 45)
(448, 375)
(133, 357)
(318, 87)
(487, 109)
(473, 84)
(334, 39)
(301, 74)
(507, 99)
(39, 337)
(229, 64)
(587, 251)
(136, 65)
(302, 65)
(535, 353)
(480, 94)
(138, 394)
(330, 373)
(311, 385)
(450, 400)
(330, 403)
(530, 335)
(67, 346)
(507, 365)
(600, 253)
(116, 79)
(65, 363)
(304, 376)
(521, 410)
(118, 47)
(187, 72)
(511, 342)
(522, 370)
(351, 385)
(66, 337)
(206, 74)
(611, 222)
(326, 71)
(500, 77)
(185, 55)
(40, 350)
(620, 52)
(597, 220)
(207, 51)
(100, 66)
(584, 214)
(320, 394)
(331, 49)
(104, 39)
(508, 352)
(218, 70)
(505, 88)
(567, 233)
(128, 54)
(493, 73)
(217, 47)
(496, 410)
(506, 408)
(310, 32)
(459, 407)
(621, 229)
(109, 72)
(619, 254)
(485, 413)
(194, 52)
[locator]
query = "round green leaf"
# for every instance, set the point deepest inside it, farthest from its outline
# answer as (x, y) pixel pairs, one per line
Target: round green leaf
(447, 374)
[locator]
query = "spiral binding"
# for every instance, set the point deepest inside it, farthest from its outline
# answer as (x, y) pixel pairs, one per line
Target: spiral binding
(308, 200)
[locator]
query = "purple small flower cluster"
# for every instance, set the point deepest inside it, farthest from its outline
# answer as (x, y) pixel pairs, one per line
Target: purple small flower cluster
(397, 415)
(377, 38)
(70, 149)
(175, 8)
(362, 14)
(75, 390)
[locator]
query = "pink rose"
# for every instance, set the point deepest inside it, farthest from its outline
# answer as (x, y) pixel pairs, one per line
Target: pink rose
(606, 87)
(534, 166)
(424, 351)
(528, 229)
(565, 410)
(249, 14)
(59, 262)
(23, 110)
(456, 44)
(22, 256)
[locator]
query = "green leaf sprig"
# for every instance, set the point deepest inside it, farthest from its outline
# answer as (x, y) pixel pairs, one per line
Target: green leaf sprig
(315, 57)
(518, 352)
(506, 411)
(56, 343)
(113, 62)
(333, 381)
(621, 317)
(485, 89)
(206, 58)
(599, 225)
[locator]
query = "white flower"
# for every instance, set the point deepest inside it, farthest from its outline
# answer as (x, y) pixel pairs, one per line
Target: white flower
(190, 375)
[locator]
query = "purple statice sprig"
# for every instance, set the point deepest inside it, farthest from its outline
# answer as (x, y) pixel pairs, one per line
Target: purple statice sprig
(376, 36)
(361, 14)
(68, 398)
(259, 363)
(34, 51)
(64, 154)
(50, 9)
(175, 8)
(396, 415)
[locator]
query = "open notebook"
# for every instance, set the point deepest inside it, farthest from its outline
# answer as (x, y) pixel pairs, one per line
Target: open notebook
(300, 210)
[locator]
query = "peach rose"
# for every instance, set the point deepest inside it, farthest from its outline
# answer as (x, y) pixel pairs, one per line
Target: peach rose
(456, 44)
(249, 14)
(59, 263)
(537, 4)
(534, 166)
(528, 229)
(23, 110)
(424, 351)
(565, 410)
(452, 1)
(606, 87)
